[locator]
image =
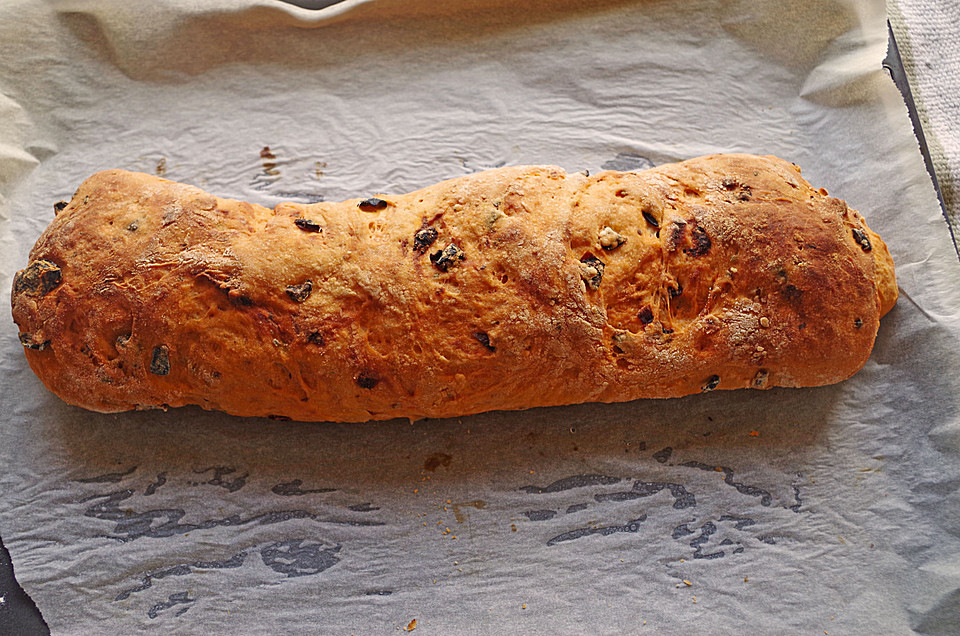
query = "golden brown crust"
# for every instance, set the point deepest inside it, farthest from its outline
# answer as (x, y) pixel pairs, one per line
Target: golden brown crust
(507, 289)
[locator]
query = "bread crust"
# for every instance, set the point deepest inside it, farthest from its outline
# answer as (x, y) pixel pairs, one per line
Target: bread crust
(507, 289)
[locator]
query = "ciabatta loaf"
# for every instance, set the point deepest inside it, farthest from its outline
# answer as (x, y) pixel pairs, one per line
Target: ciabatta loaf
(507, 289)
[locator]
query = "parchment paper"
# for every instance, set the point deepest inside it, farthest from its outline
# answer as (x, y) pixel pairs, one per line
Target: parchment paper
(790, 511)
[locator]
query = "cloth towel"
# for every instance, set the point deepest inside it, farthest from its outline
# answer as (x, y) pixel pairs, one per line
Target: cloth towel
(928, 35)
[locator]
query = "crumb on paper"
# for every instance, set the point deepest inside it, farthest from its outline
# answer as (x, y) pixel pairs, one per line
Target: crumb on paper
(412, 625)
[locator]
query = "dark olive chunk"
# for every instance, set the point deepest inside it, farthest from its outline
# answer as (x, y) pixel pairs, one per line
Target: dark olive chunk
(591, 271)
(645, 315)
(862, 239)
(160, 363)
(484, 339)
(730, 184)
(307, 225)
(701, 242)
(39, 279)
(712, 382)
(28, 341)
(372, 204)
(299, 293)
(424, 238)
(447, 257)
(367, 381)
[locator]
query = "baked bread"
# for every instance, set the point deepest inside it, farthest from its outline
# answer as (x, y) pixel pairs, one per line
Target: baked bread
(507, 289)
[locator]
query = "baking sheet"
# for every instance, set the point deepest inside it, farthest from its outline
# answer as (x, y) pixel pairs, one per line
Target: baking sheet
(830, 509)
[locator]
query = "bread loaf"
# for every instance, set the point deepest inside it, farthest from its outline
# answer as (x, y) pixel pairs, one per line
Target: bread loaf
(508, 289)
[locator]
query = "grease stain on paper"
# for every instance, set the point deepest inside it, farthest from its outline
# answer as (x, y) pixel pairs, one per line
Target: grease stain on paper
(765, 497)
(712, 538)
(458, 507)
(182, 569)
(299, 557)
(129, 525)
(682, 498)
(631, 527)
(218, 480)
(107, 478)
(293, 489)
(435, 461)
(540, 515)
(569, 483)
(180, 598)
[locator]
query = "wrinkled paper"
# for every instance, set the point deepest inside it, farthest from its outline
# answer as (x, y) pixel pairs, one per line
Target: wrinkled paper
(832, 509)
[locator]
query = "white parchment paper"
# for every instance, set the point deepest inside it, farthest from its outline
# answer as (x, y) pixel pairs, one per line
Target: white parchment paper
(790, 511)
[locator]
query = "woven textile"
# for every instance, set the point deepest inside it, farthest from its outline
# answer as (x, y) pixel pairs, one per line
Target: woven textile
(928, 34)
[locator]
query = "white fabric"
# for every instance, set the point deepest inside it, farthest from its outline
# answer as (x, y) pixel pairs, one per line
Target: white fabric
(928, 34)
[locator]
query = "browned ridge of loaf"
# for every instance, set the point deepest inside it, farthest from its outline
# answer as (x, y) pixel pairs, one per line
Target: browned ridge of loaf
(507, 289)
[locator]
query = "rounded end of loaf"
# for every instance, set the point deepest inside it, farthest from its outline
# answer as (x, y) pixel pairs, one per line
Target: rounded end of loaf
(885, 277)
